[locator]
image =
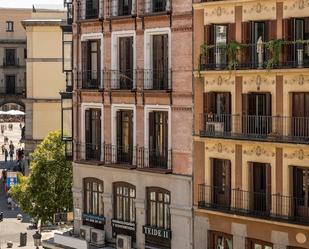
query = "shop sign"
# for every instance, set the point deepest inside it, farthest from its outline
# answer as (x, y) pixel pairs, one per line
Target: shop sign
(157, 232)
(94, 219)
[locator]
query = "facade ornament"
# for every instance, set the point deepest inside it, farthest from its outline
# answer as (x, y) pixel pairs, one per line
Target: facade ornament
(298, 154)
(259, 151)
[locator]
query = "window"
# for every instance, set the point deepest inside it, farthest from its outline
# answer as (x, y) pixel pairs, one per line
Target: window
(25, 53)
(9, 26)
(218, 240)
(125, 63)
(122, 7)
(158, 139)
(220, 43)
(93, 134)
(92, 9)
(10, 57)
(155, 6)
(124, 202)
(158, 208)
(258, 244)
(10, 84)
(91, 64)
(93, 196)
(300, 113)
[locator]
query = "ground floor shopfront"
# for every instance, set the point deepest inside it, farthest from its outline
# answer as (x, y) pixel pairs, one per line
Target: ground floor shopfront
(153, 209)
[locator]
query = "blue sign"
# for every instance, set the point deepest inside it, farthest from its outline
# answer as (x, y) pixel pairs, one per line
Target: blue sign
(11, 181)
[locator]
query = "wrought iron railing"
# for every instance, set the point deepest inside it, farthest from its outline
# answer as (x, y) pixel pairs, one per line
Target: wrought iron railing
(156, 6)
(90, 9)
(117, 8)
(89, 79)
(154, 159)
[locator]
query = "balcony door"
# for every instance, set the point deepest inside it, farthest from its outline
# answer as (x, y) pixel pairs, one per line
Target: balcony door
(91, 63)
(300, 113)
(10, 84)
(220, 46)
(126, 62)
(92, 9)
(160, 62)
(221, 175)
(124, 7)
(257, 118)
(158, 139)
(10, 54)
(124, 136)
(260, 194)
(301, 191)
(258, 32)
(159, 5)
(93, 134)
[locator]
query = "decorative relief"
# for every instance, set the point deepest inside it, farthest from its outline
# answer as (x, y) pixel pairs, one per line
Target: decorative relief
(219, 11)
(298, 4)
(259, 8)
(259, 151)
(220, 81)
(300, 80)
(220, 148)
(258, 81)
(298, 154)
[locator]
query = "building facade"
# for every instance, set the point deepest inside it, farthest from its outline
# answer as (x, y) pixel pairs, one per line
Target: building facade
(45, 77)
(12, 58)
(251, 124)
(133, 122)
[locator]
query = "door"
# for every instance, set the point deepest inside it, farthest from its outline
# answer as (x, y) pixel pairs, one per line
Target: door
(10, 86)
(124, 136)
(301, 191)
(160, 62)
(221, 183)
(158, 140)
(126, 62)
(300, 113)
(258, 31)
(93, 134)
(91, 64)
(220, 46)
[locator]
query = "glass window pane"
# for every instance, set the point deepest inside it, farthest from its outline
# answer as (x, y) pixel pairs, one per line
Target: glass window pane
(153, 214)
(152, 196)
(166, 198)
(160, 218)
(257, 246)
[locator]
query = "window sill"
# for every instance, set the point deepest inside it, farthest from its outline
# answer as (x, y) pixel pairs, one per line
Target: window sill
(121, 17)
(156, 170)
(121, 166)
(161, 13)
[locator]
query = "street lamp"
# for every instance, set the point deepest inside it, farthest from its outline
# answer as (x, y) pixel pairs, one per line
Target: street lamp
(37, 239)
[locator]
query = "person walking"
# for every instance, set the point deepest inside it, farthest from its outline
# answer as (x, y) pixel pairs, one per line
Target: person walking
(6, 154)
(11, 147)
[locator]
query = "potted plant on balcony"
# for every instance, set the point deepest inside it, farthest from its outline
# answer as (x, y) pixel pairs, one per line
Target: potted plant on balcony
(233, 49)
(274, 49)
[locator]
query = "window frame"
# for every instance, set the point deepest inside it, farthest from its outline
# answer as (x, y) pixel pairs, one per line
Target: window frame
(213, 234)
(251, 242)
(91, 181)
(9, 26)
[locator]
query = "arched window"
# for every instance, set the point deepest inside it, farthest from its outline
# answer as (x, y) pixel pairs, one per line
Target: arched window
(158, 207)
(124, 206)
(93, 196)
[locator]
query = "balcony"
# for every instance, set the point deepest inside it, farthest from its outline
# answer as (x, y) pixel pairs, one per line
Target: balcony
(124, 157)
(12, 62)
(258, 128)
(120, 80)
(90, 79)
(12, 91)
(151, 79)
(254, 204)
(156, 7)
(275, 54)
(121, 9)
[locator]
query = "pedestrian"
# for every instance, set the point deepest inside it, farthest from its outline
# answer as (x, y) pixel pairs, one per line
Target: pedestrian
(2, 149)
(6, 154)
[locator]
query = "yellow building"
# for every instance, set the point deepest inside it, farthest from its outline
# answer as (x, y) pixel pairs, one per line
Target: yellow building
(45, 77)
(251, 165)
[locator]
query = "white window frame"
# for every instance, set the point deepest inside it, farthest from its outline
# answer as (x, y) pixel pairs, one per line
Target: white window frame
(94, 36)
(115, 50)
(115, 108)
(84, 107)
(159, 108)
(148, 51)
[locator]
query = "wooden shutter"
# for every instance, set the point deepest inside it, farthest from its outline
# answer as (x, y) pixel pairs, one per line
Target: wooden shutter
(98, 126)
(246, 39)
(268, 104)
(119, 128)
(298, 105)
(130, 135)
(231, 32)
(227, 96)
(245, 112)
(209, 38)
(228, 181)
(288, 31)
(210, 193)
(250, 196)
(151, 125)
(165, 133)
(99, 61)
(272, 30)
(88, 126)
(210, 102)
(306, 107)
(268, 187)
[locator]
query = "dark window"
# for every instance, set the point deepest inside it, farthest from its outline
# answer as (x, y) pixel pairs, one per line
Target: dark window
(93, 196)
(124, 202)
(258, 244)
(92, 9)
(159, 5)
(124, 136)
(93, 134)
(160, 62)
(125, 7)
(300, 113)
(220, 240)
(221, 175)
(10, 57)
(10, 84)
(158, 140)
(9, 26)
(91, 63)
(126, 62)
(25, 53)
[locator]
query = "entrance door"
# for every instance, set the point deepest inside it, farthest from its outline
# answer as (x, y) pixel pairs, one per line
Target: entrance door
(124, 136)
(10, 84)
(301, 191)
(126, 62)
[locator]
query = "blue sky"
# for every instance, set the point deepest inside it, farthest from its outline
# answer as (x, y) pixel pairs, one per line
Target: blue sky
(27, 3)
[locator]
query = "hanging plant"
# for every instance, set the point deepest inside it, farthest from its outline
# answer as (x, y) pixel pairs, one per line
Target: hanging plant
(232, 49)
(274, 48)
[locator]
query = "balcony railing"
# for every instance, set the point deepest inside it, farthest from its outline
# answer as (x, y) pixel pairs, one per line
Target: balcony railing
(89, 79)
(117, 8)
(249, 56)
(120, 80)
(13, 62)
(17, 90)
(150, 79)
(90, 9)
(251, 127)
(156, 6)
(140, 157)
(154, 159)
(256, 204)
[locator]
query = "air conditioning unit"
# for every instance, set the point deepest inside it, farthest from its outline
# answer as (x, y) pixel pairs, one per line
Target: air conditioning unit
(97, 237)
(214, 127)
(123, 242)
(84, 233)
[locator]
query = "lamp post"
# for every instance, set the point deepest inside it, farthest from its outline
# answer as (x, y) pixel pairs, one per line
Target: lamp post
(37, 239)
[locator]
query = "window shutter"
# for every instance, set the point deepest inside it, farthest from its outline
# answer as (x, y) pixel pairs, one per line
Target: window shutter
(268, 187)
(209, 196)
(246, 39)
(288, 35)
(99, 59)
(272, 30)
(250, 185)
(306, 106)
(231, 32)
(268, 104)
(227, 103)
(210, 102)
(88, 126)
(131, 135)
(151, 125)
(228, 181)
(245, 112)
(98, 126)
(209, 34)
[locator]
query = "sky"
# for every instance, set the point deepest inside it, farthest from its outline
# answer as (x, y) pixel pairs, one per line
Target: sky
(27, 3)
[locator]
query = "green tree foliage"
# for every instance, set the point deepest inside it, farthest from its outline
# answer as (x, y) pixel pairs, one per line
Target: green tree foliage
(48, 189)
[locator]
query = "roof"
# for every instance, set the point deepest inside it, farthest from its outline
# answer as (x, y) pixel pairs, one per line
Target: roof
(48, 8)
(42, 22)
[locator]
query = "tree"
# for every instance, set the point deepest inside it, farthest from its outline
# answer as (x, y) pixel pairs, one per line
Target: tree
(48, 189)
